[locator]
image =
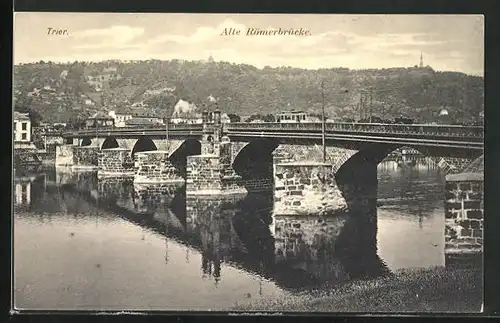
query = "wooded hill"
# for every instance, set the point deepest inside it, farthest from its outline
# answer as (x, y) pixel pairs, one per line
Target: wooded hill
(82, 88)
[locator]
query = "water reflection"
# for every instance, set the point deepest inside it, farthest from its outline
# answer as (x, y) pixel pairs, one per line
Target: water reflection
(239, 236)
(410, 214)
(27, 190)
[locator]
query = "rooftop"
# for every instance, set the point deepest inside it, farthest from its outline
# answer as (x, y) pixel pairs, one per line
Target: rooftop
(477, 166)
(141, 116)
(465, 177)
(290, 112)
(101, 115)
(141, 121)
(21, 116)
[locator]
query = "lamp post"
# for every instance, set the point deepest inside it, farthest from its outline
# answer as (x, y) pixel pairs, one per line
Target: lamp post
(96, 120)
(323, 122)
(167, 121)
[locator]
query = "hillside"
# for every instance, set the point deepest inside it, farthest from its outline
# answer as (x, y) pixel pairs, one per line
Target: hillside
(59, 92)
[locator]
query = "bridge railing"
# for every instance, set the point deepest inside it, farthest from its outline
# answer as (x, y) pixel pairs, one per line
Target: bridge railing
(400, 129)
(120, 130)
(422, 129)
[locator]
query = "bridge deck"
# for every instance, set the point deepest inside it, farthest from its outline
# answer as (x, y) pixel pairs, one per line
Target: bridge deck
(452, 136)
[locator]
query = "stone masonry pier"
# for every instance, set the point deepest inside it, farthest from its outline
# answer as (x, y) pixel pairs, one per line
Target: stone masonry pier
(303, 184)
(464, 218)
(85, 157)
(207, 175)
(115, 162)
(306, 188)
(155, 167)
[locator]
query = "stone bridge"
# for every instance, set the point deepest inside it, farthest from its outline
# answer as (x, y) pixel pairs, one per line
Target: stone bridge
(286, 159)
(242, 158)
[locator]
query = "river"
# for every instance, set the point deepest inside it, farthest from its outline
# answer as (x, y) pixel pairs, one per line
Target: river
(149, 248)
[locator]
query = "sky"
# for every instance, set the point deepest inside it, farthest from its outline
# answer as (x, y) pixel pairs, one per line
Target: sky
(447, 42)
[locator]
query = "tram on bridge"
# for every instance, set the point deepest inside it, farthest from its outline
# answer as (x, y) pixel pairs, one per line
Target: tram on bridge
(294, 117)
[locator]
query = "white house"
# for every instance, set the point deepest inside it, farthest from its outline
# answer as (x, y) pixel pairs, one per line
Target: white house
(120, 118)
(195, 118)
(22, 130)
(224, 118)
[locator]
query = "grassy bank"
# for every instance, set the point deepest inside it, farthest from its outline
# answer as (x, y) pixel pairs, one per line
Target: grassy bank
(422, 290)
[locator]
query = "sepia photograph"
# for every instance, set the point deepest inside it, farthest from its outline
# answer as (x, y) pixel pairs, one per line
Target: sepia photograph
(247, 163)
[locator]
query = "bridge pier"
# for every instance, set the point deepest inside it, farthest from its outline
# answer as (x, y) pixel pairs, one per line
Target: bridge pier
(115, 162)
(464, 218)
(155, 167)
(306, 188)
(209, 175)
(85, 157)
(211, 172)
(303, 183)
(77, 157)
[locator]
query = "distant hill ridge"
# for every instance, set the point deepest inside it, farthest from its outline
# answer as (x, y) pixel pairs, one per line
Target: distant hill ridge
(79, 89)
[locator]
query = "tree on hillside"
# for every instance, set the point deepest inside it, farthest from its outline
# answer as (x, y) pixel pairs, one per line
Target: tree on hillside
(75, 122)
(245, 90)
(234, 117)
(269, 118)
(35, 117)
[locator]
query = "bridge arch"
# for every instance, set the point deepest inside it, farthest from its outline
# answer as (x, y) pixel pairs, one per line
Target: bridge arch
(143, 144)
(86, 142)
(255, 159)
(178, 157)
(110, 142)
(357, 176)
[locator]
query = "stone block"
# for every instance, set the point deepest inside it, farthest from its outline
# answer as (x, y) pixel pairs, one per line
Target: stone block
(478, 233)
(465, 186)
(475, 204)
(451, 186)
(449, 214)
(450, 196)
(475, 196)
(451, 232)
(476, 187)
(453, 205)
(474, 214)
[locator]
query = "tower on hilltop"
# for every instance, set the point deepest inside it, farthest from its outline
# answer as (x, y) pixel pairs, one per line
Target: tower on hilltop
(210, 59)
(421, 60)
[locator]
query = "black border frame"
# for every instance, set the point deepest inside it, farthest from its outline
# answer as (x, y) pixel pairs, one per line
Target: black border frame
(489, 8)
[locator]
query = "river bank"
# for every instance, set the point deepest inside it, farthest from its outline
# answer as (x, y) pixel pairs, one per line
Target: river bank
(418, 290)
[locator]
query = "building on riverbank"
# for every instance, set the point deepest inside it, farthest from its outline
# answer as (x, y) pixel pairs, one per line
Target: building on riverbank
(22, 131)
(120, 118)
(144, 121)
(99, 120)
(25, 152)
